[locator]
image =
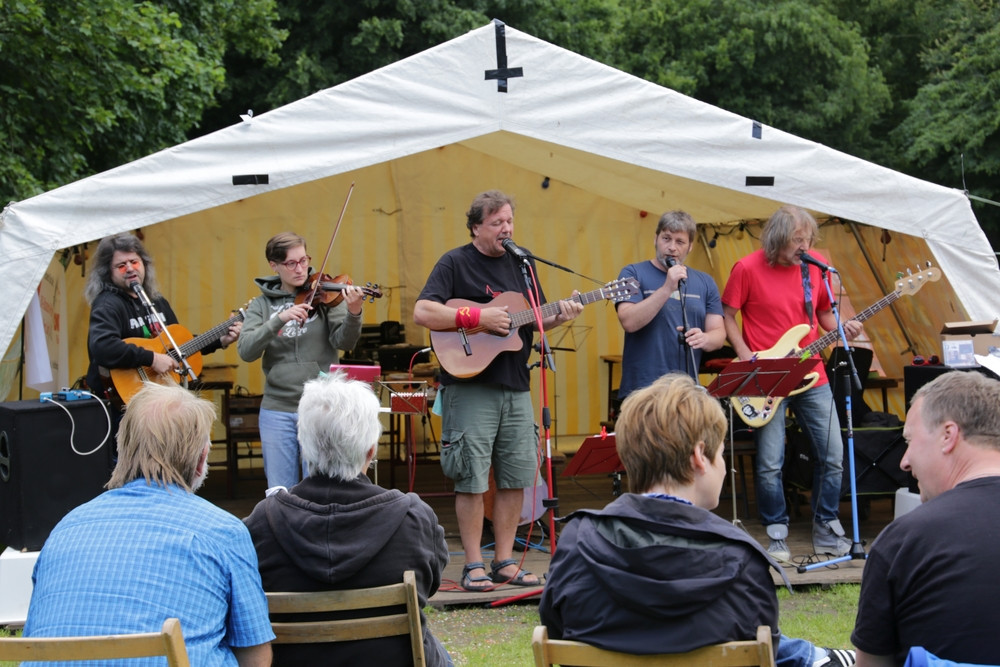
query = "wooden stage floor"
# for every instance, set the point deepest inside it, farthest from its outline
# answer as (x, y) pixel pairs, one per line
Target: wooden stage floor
(587, 491)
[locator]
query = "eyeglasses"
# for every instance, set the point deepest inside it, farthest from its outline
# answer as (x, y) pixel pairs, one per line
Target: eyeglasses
(123, 267)
(291, 264)
(799, 240)
(920, 361)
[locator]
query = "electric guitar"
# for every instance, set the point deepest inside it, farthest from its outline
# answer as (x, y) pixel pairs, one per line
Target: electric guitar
(756, 411)
(467, 352)
(126, 382)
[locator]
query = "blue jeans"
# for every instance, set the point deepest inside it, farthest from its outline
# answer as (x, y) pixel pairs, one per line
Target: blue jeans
(817, 416)
(279, 442)
(796, 653)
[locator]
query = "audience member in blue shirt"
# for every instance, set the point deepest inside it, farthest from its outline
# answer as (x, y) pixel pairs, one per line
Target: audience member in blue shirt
(149, 549)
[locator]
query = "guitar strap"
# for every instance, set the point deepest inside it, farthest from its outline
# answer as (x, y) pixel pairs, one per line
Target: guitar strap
(807, 292)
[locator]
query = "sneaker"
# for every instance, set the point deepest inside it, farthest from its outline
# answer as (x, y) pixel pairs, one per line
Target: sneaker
(778, 548)
(828, 538)
(836, 657)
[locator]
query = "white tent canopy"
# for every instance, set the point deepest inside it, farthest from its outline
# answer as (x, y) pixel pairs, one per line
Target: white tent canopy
(599, 133)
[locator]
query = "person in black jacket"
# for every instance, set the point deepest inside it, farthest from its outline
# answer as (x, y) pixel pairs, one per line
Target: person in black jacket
(336, 530)
(656, 571)
(117, 313)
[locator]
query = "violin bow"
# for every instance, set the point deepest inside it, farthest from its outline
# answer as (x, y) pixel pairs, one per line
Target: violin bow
(322, 267)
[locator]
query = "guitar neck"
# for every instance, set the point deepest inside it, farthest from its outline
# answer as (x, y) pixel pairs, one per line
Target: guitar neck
(549, 309)
(201, 341)
(823, 341)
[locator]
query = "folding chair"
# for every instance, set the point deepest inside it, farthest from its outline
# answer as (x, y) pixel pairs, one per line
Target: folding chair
(749, 653)
(168, 642)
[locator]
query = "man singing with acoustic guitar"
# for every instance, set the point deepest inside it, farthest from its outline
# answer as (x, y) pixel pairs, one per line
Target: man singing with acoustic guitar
(487, 412)
(776, 291)
(117, 313)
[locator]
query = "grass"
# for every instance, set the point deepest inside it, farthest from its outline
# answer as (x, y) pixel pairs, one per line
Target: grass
(485, 637)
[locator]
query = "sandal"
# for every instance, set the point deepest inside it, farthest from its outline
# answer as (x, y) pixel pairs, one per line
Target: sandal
(516, 580)
(468, 579)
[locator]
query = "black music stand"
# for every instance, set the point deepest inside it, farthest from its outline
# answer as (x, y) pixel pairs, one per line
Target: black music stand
(761, 378)
(598, 455)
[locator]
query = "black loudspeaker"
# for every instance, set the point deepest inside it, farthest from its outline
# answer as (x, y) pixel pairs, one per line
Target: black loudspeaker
(877, 454)
(41, 476)
(915, 377)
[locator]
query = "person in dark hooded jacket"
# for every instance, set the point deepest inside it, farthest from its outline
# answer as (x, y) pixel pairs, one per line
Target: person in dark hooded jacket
(656, 571)
(337, 530)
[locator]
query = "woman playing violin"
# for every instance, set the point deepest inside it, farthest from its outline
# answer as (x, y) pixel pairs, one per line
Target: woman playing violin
(296, 341)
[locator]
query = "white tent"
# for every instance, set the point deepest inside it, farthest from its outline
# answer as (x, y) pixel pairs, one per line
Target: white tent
(586, 149)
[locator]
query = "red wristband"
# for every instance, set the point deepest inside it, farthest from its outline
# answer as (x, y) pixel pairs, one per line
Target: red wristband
(467, 317)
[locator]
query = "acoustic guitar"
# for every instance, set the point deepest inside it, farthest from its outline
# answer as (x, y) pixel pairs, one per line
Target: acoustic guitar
(756, 411)
(466, 352)
(126, 382)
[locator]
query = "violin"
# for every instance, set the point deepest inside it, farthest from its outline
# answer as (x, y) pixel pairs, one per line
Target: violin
(328, 290)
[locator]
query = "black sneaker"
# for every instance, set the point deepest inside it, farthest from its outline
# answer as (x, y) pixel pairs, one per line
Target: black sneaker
(837, 657)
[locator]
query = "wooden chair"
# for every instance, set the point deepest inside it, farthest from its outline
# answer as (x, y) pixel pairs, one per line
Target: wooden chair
(167, 642)
(367, 627)
(747, 653)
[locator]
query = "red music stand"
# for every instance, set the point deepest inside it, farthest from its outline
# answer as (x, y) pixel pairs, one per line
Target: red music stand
(762, 377)
(597, 455)
(771, 378)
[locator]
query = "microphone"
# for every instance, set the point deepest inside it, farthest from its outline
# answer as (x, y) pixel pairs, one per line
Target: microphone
(671, 263)
(512, 249)
(809, 259)
(143, 297)
(136, 287)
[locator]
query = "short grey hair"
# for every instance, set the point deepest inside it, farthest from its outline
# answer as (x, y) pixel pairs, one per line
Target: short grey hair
(969, 399)
(338, 425)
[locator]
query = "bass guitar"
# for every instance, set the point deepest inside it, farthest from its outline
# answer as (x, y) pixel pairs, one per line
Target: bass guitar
(466, 352)
(756, 411)
(126, 382)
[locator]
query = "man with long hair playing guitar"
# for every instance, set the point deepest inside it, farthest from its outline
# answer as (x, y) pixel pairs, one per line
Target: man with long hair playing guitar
(117, 313)
(775, 291)
(487, 416)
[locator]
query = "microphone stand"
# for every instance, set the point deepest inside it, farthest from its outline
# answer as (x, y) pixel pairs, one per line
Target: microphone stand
(851, 379)
(163, 331)
(689, 362)
(551, 503)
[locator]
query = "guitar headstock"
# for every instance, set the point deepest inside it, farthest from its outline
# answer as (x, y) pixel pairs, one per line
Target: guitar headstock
(912, 282)
(621, 289)
(241, 312)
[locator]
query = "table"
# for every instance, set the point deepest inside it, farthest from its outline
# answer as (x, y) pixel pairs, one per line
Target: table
(885, 384)
(216, 378)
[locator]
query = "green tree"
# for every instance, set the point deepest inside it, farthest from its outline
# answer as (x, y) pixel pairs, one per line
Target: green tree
(793, 65)
(951, 132)
(87, 85)
(330, 43)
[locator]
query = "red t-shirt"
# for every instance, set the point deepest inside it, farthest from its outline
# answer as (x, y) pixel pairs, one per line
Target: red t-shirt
(772, 301)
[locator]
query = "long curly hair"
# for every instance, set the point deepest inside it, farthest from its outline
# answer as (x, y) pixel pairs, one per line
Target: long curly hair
(100, 268)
